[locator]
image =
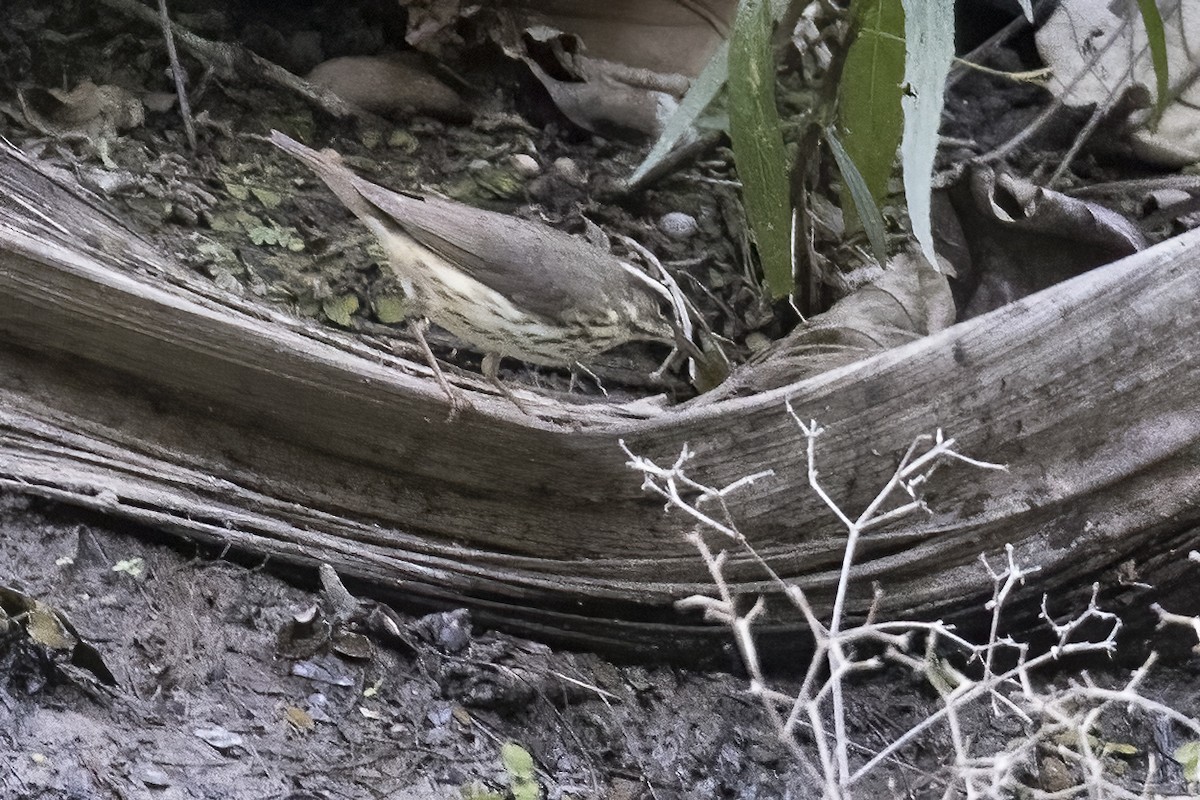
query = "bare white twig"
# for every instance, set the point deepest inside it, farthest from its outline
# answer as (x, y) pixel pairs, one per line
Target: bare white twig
(1064, 721)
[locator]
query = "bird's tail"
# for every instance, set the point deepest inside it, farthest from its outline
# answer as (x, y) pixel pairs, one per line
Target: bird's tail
(328, 166)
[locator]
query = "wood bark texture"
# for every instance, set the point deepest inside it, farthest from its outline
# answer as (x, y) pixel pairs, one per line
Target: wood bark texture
(136, 389)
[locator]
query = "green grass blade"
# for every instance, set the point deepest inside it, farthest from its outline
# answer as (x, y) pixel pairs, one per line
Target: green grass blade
(758, 150)
(870, 116)
(929, 52)
(702, 91)
(1156, 35)
(864, 203)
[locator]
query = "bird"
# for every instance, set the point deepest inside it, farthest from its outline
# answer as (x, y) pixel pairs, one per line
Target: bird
(506, 286)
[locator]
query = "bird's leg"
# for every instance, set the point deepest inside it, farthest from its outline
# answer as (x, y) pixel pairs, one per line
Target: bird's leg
(491, 371)
(578, 365)
(458, 400)
(683, 349)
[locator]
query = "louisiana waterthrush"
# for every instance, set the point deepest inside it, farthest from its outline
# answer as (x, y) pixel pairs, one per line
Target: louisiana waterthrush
(506, 286)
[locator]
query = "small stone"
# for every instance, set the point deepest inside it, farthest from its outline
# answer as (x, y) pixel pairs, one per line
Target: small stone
(395, 86)
(757, 342)
(182, 215)
(220, 738)
(1054, 775)
(1165, 198)
(159, 102)
(153, 776)
(678, 225)
(526, 165)
(569, 171)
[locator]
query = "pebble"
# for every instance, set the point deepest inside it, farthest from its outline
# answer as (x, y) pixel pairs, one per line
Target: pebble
(678, 225)
(391, 86)
(756, 342)
(1165, 198)
(526, 164)
(152, 776)
(569, 171)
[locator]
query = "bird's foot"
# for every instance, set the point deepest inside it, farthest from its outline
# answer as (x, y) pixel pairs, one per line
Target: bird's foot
(491, 371)
(458, 400)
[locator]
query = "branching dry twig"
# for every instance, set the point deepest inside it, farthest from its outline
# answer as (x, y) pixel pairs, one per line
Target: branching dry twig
(1062, 722)
(185, 108)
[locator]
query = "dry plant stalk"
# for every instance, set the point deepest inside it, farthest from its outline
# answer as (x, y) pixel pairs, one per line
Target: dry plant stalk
(1062, 722)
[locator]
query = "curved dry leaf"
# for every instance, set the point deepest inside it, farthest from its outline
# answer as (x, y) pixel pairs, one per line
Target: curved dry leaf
(321, 674)
(352, 645)
(432, 23)
(1022, 238)
(44, 627)
(218, 737)
(1019, 202)
(1097, 50)
(602, 103)
(89, 112)
(86, 111)
(665, 36)
(619, 68)
(908, 301)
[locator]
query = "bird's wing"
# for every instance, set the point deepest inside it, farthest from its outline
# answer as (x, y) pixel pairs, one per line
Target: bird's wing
(539, 267)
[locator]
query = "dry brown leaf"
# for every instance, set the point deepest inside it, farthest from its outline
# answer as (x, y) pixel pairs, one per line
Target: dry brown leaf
(84, 111)
(1098, 49)
(602, 96)
(665, 36)
(618, 68)
(1021, 238)
(908, 301)
(92, 113)
(48, 627)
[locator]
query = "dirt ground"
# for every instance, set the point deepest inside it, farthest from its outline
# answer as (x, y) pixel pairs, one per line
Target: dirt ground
(235, 679)
(220, 694)
(199, 644)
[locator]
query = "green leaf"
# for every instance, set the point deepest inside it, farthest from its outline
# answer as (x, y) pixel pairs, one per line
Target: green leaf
(44, 626)
(133, 567)
(1119, 749)
(1188, 756)
(522, 781)
(1156, 35)
(392, 308)
(860, 194)
(870, 116)
(339, 309)
(271, 235)
(268, 197)
(929, 52)
(758, 150)
(475, 791)
(702, 91)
